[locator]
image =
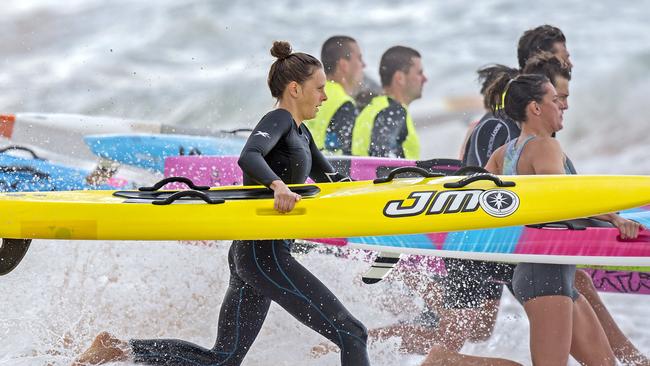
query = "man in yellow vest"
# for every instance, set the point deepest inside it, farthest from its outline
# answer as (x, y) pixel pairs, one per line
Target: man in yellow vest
(332, 126)
(384, 128)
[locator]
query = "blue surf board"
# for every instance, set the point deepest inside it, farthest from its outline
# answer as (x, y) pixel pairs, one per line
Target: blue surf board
(149, 151)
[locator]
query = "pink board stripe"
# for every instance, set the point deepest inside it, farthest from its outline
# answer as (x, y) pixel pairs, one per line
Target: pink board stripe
(331, 241)
(437, 239)
(590, 242)
(366, 169)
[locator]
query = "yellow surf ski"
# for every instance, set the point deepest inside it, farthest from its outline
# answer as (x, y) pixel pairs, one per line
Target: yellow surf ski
(364, 208)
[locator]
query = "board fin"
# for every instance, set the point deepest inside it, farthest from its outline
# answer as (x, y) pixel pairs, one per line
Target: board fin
(12, 252)
(381, 267)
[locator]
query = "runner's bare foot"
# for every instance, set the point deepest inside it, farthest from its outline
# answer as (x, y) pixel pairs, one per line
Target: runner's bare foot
(105, 348)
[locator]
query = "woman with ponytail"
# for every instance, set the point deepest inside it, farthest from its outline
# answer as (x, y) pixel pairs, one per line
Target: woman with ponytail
(562, 322)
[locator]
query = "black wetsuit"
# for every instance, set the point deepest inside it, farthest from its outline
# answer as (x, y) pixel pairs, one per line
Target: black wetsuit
(489, 134)
(338, 136)
(262, 271)
(389, 131)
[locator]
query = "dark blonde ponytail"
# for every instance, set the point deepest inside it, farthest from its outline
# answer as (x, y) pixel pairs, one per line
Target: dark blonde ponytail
(486, 77)
(515, 94)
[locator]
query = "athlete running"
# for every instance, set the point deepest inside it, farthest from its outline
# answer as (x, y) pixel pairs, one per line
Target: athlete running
(279, 151)
(473, 288)
(562, 322)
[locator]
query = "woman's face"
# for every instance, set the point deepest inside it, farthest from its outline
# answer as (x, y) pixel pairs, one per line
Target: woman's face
(551, 108)
(312, 94)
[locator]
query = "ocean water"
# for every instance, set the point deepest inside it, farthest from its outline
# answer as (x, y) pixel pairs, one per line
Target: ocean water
(205, 63)
(64, 293)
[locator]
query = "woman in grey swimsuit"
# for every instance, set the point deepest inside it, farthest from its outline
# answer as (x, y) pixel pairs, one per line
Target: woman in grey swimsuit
(561, 321)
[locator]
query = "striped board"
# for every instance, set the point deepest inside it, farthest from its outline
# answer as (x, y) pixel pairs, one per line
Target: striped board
(579, 243)
(574, 242)
(149, 151)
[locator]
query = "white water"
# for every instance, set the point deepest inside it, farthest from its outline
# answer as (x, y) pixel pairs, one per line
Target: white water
(204, 63)
(73, 290)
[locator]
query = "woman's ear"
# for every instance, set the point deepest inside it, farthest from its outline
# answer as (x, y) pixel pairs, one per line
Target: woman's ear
(535, 108)
(294, 89)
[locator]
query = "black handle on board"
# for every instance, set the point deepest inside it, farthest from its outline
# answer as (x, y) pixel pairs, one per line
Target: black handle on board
(182, 194)
(167, 180)
(407, 169)
(479, 176)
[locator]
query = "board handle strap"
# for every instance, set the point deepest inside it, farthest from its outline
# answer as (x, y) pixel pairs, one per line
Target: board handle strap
(182, 194)
(167, 180)
(479, 176)
(407, 169)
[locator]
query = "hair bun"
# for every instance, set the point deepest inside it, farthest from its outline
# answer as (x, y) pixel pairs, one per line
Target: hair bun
(281, 49)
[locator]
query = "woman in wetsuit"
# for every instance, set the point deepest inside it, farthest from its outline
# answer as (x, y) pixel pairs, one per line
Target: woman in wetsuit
(562, 322)
(279, 151)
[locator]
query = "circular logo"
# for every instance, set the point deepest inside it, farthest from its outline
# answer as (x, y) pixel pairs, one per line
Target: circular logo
(499, 202)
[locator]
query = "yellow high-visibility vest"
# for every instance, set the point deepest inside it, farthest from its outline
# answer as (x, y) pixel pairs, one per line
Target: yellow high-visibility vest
(336, 97)
(361, 135)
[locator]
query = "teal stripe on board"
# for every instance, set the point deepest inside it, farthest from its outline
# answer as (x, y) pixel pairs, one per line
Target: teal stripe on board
(419, 241)
(501, 240)
(633, 210)
(639, 216)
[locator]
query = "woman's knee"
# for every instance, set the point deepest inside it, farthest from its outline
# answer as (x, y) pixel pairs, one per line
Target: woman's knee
(589, 343)
(355, 330)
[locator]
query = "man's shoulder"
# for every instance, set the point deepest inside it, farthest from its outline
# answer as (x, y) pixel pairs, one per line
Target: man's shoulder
(394, 107)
